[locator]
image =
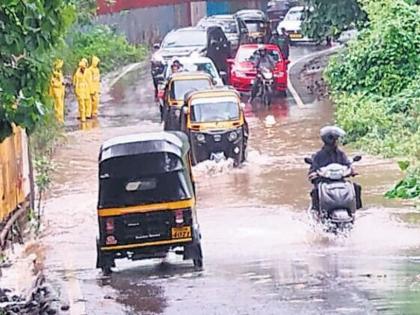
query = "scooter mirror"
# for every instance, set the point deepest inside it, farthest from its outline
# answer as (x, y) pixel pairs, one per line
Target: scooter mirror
(357, 158)
(308, 160)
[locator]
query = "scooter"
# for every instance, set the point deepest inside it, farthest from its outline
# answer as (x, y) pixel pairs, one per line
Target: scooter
(337, 196)
(266, 78)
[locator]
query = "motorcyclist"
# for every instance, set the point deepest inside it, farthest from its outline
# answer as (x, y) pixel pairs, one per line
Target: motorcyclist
(261, 60)
(330, 153)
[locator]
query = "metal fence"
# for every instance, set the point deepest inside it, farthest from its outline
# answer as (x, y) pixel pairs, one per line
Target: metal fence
(148, 24)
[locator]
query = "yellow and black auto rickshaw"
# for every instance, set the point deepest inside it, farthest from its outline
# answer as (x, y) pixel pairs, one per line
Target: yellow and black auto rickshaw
(146, 199)
(257, 23)
(215, 124)
(178, 85)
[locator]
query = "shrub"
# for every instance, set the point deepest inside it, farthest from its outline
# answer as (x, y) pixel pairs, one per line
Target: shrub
(113, 49)
(375, 84)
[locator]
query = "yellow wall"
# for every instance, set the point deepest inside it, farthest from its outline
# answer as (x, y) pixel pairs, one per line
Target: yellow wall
(14, 176)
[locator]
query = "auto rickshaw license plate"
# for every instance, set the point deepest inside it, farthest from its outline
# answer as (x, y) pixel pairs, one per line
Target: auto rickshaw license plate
(296, 35)
(181, 232)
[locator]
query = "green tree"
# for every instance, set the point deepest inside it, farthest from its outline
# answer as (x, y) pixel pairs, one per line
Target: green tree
(29, 31)
(331, 17)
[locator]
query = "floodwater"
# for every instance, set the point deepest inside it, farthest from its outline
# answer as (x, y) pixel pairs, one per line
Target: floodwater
(262, 253)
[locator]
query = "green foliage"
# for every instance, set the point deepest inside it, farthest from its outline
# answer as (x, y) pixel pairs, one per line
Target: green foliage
(29, 31)
(409, 187)
(385, 58)
(375, 84)
(99, 40)
(330, 18)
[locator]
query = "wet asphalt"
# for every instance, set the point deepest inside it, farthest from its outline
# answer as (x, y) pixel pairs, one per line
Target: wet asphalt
(262, 253)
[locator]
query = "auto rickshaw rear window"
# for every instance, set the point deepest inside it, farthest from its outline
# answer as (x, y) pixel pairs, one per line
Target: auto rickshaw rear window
(180, 87)
(136, 190)
(135, 165)
(255, 25)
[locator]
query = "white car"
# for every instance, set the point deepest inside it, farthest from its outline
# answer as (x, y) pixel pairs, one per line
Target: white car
(292, 23)
(197, 63)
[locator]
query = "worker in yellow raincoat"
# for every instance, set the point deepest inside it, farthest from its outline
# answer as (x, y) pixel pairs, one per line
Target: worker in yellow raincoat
(81, 83)
(95, 85)
(57, 89)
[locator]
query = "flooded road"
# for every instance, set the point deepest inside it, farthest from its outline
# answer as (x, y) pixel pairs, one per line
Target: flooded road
(262, 254)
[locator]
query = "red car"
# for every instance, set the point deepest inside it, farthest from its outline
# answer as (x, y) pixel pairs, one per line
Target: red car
(243, 72)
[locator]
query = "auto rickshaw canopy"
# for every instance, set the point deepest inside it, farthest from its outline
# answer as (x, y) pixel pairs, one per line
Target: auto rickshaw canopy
(181, 82)
(144, 169)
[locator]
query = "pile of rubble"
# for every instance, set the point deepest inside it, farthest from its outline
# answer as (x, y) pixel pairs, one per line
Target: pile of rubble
(40, 300)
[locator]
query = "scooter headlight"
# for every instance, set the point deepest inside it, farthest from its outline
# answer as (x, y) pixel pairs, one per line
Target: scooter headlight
(200, 137)
(233, 136)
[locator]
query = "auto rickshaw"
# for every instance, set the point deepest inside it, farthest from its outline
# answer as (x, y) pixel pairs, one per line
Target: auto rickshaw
(177, 86)
(215, 124)
(257, 23)
(147, 199)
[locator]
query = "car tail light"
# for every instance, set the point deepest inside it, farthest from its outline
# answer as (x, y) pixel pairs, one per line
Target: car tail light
(109, 225)
(179, 216)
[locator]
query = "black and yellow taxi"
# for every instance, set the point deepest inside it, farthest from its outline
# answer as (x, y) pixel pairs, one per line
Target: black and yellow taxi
(215, 124)
(147, 199)
(177, 86)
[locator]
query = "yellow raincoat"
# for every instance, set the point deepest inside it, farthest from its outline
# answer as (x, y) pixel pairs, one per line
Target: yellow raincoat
(81, 83)
(57, 90)
(95, 85)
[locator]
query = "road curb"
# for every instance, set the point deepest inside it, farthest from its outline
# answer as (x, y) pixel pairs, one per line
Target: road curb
(291, 88)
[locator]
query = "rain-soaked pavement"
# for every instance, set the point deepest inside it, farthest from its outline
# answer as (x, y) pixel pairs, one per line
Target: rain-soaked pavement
(262, 254)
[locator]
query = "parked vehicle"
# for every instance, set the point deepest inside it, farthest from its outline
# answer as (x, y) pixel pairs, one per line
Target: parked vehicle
(147, 199)
(337, 197)
(235, 29)
(292, 23)
(243, 72)
(215, 124)
(178, 85)
(190, 41)
(257, 23)
(277, 10)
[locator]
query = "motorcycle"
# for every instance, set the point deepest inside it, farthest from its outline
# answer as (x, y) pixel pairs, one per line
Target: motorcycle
(337, 196)
(266, 79)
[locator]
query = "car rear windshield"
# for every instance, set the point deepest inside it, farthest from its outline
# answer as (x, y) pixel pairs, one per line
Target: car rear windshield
(185, 39)
(216, 111)
(255, 25)
(294, 16)
(250, 54)
(229, 26)
(182, 87)
(138, 190)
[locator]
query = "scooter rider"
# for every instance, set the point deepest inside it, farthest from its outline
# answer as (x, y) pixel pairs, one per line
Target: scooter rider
(262, 59)
(330, 153)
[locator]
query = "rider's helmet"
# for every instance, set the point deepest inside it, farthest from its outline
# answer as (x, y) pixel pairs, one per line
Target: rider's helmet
(330, 135)
(262, 50)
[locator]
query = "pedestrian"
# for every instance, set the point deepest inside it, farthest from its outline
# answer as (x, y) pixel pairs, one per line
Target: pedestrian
(81, 83)
(284, 42)
(95, 85)
(57, 90)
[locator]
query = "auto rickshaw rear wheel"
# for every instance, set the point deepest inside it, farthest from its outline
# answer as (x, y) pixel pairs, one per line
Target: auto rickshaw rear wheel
(198, 263)
(106, 270)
